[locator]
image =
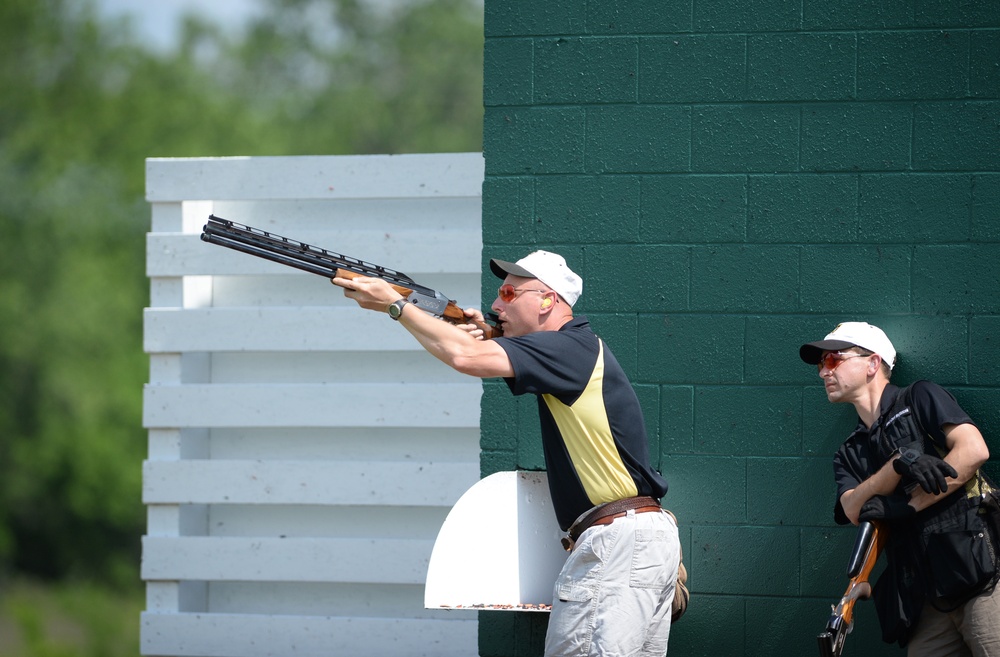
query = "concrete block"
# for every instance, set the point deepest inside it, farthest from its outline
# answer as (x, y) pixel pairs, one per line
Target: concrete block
(804, 66)
(745, 138)
(532, 140)
(693, 209)
(694, 68)
(508, 65)
(585, 209)
(841, 277)
(639, 278)
(956, 136)
(604, 70)
(747, 420)
(744, 278)
(856, 137)
(802, 207)
(691, 348)
(896, 65)
(615, 146)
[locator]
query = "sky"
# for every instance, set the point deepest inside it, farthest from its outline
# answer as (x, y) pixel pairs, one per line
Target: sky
(158, 21)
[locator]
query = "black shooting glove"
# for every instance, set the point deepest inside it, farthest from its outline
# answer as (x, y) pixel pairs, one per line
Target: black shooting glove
(928, 471)
(887, 507)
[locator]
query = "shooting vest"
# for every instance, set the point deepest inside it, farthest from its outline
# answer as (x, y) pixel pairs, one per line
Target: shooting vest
(944, 556)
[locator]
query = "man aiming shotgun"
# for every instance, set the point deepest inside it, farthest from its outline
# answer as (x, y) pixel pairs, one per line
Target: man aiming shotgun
(616, 592)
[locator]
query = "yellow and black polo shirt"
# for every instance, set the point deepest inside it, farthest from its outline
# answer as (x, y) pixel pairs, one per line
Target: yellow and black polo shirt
(593, 434)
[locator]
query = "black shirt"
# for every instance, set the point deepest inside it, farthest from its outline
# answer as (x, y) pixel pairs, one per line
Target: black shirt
(866, 450)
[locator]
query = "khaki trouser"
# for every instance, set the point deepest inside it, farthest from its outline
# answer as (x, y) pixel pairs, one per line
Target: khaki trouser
(972, 630)
(614, 594)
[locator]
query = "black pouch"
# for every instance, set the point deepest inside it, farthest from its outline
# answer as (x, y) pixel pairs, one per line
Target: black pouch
(959, 557)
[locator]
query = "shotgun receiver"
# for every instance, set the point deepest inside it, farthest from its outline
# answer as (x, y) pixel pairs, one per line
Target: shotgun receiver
(867, 547)
(325, 263)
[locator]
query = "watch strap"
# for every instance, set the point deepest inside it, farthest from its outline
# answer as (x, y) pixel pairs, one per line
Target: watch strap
(909, 455)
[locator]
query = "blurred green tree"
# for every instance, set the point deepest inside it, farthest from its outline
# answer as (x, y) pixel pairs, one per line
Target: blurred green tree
(83, 105)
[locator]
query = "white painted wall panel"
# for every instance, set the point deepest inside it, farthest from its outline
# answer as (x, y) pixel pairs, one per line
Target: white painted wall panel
(302, 405)
(320, 177)
(257, 559)
(346, 443)
(179, 254)
(401, 521)
(303, 453)
(364, 483)
(316, 328)
(243, 635)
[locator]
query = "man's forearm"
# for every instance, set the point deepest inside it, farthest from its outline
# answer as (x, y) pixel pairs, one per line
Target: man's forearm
(455, 347)
(967, 453)
(443, 340)
(883, 482)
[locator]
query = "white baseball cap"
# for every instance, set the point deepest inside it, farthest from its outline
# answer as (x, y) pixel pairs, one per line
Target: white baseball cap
(851, 334)
(549, 268)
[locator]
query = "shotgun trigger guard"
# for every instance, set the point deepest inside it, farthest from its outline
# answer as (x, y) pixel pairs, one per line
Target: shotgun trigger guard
(429, 304)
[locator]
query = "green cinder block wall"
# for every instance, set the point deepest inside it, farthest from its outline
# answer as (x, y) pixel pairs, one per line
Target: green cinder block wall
(733, 179)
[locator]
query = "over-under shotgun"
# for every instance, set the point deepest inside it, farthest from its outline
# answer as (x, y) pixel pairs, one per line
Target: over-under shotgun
(328, 264)
(867, 547)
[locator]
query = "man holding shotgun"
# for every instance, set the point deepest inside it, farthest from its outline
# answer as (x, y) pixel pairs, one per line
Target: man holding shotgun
(912, 465)
(614, 594)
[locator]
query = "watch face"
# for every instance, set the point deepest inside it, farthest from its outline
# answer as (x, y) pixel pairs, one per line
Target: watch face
(396, 309)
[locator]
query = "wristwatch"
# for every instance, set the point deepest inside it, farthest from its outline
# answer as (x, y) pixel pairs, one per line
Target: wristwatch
(396, 308)
(907, 456)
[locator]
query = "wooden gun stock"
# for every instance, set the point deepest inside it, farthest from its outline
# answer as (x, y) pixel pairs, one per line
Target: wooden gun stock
(867, 547)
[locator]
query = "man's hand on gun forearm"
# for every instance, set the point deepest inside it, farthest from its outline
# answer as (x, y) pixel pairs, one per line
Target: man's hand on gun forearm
(371, 293)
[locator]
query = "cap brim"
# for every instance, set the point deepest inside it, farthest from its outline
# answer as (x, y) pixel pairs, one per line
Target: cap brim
(501, 268)
(812, 351)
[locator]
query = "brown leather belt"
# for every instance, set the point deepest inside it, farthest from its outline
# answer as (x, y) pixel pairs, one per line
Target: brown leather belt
(606, 514)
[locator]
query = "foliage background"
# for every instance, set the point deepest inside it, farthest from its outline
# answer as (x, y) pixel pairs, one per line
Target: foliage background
(83, 104)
